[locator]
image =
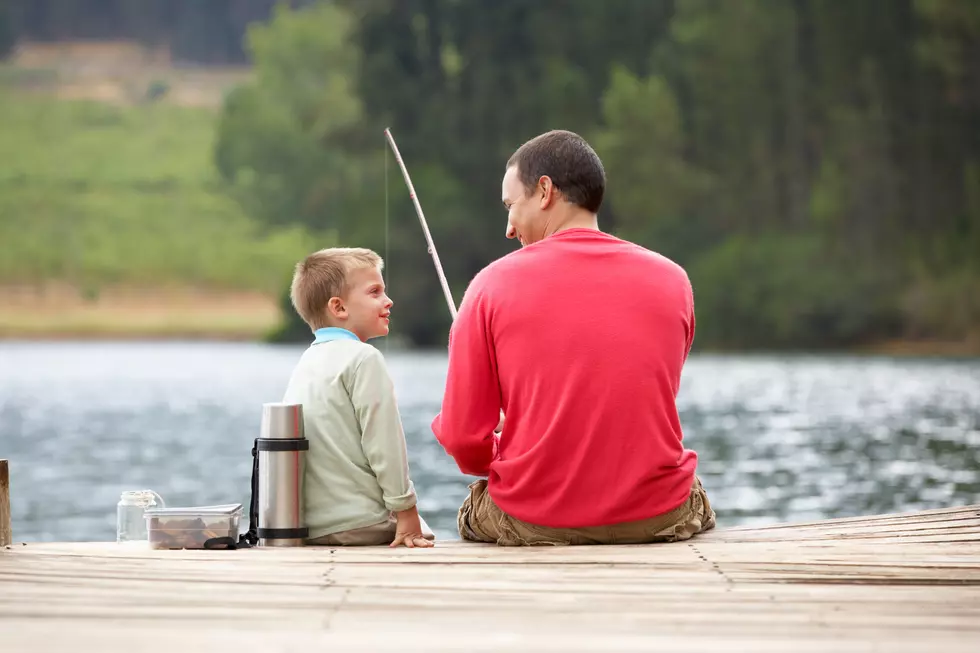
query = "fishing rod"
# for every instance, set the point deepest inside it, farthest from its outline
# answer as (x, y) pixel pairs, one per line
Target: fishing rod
(428, 239)
(425, 227)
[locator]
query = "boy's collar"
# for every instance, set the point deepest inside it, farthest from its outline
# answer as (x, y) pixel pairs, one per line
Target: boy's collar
(326, 334)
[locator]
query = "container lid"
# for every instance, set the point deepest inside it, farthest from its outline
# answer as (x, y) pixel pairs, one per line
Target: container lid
(195, 511)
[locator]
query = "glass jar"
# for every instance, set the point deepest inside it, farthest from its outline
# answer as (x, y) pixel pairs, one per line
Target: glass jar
(130, 524)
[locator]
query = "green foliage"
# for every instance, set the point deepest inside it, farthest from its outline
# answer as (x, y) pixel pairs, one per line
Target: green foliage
(813, 164)
(284, 141)
(954, 39)
(85, 142)
(205, 32)
(103, 234)
(8, 34)
(945, 306)
(778, 291)
(657, 195)
(157, 90)
(295, 149)
(97, 194)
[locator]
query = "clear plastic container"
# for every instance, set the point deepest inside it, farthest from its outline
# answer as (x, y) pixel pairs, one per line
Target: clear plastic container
(198, 527)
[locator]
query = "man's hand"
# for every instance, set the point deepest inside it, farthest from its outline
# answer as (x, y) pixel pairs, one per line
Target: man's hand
(409, 530)
(500, 424)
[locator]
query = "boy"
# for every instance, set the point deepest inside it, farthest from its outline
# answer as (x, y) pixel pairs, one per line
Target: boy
(357, 487)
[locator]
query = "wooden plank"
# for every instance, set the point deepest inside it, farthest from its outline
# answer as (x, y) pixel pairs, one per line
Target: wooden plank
(348, 633)
(6, 535)
(942, 514)
(899, 583)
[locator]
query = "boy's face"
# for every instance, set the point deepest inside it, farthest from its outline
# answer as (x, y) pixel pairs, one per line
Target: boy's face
(366, 308)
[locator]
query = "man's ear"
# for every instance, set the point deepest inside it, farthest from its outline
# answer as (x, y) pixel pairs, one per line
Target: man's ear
(336, 308)
(549, 192)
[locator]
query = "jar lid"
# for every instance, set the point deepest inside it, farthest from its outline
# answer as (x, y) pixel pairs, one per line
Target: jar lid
(141, 498)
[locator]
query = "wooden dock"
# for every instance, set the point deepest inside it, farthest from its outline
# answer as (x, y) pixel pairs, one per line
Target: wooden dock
(890, 583)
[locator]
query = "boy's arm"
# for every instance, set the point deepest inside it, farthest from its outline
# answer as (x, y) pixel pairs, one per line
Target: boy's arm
(471, 403)
(382, 437)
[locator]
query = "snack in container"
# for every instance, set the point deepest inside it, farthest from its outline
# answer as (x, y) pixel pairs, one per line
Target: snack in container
(196, 527)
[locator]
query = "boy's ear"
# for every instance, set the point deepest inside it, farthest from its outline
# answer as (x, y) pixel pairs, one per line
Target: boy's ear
(336, 308)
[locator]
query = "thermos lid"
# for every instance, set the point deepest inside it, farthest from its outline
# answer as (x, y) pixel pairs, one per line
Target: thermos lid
(282, 421)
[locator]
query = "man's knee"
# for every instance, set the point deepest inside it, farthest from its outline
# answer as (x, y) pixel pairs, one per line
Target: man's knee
(472, 519)
(707, 513)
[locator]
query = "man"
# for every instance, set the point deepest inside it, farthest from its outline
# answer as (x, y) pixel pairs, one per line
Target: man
(579, 337)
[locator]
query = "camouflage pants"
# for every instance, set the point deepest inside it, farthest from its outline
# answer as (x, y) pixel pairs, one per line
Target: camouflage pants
(480, 520)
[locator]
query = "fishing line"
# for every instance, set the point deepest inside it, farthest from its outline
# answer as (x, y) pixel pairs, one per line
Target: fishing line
(387, 277)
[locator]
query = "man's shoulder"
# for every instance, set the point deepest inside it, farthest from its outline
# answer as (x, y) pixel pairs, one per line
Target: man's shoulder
(517, 263)
(505, 265)
(652, 257)
(490, 275)
(619, 247)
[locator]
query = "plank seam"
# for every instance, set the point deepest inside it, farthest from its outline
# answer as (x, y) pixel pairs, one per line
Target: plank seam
(714, 566)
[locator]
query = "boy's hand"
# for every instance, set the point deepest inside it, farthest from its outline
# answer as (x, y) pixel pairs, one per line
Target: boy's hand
(409, 530)
(496, 436)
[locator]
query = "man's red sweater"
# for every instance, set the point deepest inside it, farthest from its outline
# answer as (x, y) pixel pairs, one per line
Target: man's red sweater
(580, 338)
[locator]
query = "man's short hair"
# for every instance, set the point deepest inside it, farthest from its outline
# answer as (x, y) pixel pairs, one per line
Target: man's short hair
(324, 274)
(570, 162)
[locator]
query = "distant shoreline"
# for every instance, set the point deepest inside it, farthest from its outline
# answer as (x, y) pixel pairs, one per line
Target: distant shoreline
(182, 313)
(59, 313)
(258, 333)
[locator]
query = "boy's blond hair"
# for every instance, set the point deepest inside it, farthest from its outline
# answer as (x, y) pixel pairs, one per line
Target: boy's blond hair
(324, 274)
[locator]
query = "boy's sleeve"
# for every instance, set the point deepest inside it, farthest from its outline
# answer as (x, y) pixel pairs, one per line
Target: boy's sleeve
(382, 437)
(471, 403)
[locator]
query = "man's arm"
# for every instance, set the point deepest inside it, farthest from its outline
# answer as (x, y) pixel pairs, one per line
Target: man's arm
(471, 403)
(382, 437)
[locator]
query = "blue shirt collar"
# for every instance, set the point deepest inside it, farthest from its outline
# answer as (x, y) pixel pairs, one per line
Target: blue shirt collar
(326, 334)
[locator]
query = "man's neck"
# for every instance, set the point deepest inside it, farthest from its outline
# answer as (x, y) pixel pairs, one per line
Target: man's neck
(577, 219)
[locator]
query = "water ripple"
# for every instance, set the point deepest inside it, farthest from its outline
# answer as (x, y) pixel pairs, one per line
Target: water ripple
(779, 438)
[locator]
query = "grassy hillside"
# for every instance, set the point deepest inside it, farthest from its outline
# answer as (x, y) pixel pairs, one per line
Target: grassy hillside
(101, 195)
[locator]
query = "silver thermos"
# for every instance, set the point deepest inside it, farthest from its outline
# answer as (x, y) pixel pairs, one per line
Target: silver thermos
(281, 448)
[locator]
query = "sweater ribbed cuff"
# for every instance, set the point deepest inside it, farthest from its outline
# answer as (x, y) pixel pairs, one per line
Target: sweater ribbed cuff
(401, 502)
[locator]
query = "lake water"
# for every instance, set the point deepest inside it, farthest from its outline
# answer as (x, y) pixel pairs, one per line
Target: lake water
(780, 438)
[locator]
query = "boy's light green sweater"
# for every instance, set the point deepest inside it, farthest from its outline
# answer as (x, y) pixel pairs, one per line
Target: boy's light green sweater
(357, 465)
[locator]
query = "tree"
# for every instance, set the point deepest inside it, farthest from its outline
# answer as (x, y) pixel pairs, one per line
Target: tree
(8, 31)
(660, 199)
(833, 144)
(289, 141)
